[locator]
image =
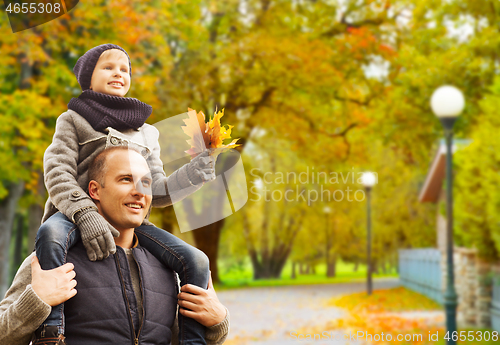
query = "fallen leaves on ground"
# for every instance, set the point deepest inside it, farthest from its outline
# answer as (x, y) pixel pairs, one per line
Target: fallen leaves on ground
(394, 311)
(397, 299)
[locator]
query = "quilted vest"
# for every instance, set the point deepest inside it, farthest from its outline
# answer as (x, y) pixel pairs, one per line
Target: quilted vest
(104, 310)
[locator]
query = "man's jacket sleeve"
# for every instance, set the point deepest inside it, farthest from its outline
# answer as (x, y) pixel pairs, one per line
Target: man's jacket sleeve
(215, 335)
(21, 311)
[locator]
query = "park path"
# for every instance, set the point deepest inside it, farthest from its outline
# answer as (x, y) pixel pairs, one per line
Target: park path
(267, 315)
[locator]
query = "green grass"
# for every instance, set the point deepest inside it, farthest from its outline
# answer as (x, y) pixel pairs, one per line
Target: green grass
(241, 275)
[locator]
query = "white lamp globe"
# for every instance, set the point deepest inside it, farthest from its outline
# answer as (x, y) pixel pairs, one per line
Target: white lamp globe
(447, 101)
(368, 179)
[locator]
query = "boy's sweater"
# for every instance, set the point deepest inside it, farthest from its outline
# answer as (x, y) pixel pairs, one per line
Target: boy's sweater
(22, 312)
(76, 143)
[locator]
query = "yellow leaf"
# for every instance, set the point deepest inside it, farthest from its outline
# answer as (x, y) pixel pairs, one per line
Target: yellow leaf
(210, 135)
(195, 128)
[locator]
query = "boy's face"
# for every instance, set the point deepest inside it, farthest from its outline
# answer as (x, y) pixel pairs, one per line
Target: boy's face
(111, 75)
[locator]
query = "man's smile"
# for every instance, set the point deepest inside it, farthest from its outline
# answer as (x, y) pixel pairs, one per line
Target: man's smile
(135, 207)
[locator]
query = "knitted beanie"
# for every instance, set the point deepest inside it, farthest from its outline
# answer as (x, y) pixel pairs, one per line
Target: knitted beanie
(84, 67)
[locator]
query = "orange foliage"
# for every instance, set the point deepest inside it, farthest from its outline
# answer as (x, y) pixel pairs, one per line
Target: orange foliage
(386, 311)
(208, 135)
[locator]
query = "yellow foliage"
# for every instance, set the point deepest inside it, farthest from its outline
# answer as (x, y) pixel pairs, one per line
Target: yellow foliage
(208, 135)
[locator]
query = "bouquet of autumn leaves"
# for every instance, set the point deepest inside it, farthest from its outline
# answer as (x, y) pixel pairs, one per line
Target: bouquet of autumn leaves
(208, 135)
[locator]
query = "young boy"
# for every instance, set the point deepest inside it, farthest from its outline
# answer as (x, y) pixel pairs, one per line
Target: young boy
(102, 117)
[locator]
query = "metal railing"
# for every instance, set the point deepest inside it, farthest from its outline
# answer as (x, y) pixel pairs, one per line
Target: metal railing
(420, 271)
(495, 305)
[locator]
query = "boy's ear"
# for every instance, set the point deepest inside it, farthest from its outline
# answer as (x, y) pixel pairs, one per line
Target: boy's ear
(94, 190)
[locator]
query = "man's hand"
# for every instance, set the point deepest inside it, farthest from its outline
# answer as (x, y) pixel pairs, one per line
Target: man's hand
(53, 286)
(204, 305)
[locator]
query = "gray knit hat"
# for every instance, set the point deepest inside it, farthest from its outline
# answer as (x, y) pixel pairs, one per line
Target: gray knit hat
(84, 67)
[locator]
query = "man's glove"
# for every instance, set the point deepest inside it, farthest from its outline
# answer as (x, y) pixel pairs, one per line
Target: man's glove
(201, 168)
(97, 234)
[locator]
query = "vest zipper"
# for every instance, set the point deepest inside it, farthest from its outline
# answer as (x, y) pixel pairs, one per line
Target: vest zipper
(142, 297)
(136, 339)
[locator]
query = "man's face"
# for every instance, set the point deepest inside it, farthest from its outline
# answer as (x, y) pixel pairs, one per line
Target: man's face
(126, 196)
(111, 74)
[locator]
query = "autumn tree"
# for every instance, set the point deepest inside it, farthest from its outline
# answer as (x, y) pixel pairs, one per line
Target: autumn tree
(275, 214)
(37, 83)
(301, 70)
(477, 182)
(294, 67)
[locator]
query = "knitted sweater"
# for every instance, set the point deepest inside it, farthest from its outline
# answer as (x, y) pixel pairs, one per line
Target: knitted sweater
(75, 144)
(22, 312)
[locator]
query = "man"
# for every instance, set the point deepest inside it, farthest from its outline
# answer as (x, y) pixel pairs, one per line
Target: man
(126, 298)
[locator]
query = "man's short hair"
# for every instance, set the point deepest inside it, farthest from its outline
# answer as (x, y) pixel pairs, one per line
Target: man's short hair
(98, 167)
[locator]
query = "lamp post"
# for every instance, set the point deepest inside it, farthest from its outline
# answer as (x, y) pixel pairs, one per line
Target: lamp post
(368, 180)
(447, 102)
(327, 210)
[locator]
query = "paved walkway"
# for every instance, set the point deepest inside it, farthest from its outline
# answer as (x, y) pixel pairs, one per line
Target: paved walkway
(267, 316)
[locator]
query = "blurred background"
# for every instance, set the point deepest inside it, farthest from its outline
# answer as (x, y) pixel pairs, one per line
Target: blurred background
(318, 92)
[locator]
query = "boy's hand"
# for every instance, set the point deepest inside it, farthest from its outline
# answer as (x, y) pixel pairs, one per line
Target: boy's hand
(202, 168)
(54, 286)
(203, 305)
(97, 234)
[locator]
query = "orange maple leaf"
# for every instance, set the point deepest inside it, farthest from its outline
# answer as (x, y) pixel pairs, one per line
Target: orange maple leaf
(210, 135)
(195, 128)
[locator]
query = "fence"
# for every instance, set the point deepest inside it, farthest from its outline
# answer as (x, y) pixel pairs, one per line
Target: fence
(420, 270)
(495, 305)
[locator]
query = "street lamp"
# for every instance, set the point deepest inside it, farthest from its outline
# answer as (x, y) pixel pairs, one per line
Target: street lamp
(328, 241)
(447, 102)
(368, 180)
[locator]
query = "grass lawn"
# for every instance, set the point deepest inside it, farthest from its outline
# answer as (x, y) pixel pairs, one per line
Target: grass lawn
(235, 276)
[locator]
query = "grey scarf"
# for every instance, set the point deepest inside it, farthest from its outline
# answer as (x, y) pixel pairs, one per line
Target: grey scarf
(103, 111)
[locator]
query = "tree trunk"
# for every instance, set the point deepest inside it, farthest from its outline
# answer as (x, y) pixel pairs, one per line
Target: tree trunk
(7, 212)
(36, 212)
(331, 266)
(207, 237)
(35, 217)
(272, 267)
(270, 262)
(18, 247)
(168, 219)
(356, 266)
(294, 270)
(207, 240)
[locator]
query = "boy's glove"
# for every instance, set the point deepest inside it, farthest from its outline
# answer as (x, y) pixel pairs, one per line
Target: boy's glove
(201, 168)
(97, 234)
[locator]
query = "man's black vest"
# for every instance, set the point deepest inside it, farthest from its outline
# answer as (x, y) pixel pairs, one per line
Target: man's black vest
(104, 310)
